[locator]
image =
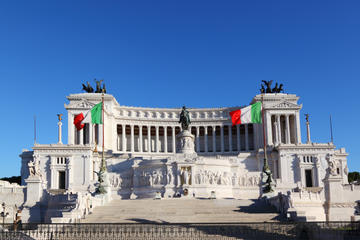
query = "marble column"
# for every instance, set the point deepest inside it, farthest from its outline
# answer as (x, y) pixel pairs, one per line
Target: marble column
(238, 138)
(297, 125)
(165, 140)
(246, 137)
(140, 138)
(149, 138)
(276, 137)
(123, 126)
(222, 138)
(268, 129)
(308, 141)
(173, 140)
(278, 129)
(91, 133)
(197, 139)
(70, 174)
(59, 133)
(214, 138)
(287, 129)
(71, 128)
(157, 144)
(132, 138)
(230, 138)
(81, 137)
(206, 138)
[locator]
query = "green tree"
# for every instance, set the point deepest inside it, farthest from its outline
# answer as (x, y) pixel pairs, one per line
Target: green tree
(353, 176)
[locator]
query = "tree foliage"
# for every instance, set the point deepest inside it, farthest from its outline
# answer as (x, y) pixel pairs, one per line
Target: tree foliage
(354, 176)
(13, 179)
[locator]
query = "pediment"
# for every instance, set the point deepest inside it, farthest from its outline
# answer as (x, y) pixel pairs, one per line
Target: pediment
(285, 105)
(83, 103)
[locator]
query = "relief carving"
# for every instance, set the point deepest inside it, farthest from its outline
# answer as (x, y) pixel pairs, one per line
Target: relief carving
(225, 178)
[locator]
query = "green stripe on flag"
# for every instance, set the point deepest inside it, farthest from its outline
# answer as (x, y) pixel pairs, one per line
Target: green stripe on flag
(96, 114)
(256, 112)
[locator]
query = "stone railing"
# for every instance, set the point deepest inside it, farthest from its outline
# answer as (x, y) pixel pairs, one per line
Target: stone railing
(304, 205)
(223, 231)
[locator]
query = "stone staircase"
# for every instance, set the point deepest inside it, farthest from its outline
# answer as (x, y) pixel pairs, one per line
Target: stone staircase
(182, 211)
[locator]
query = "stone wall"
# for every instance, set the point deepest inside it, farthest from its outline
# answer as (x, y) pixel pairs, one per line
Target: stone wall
(12, 194)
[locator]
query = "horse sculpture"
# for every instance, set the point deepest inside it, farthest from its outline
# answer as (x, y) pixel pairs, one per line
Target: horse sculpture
(87, 88)
(98, 86)
(277, 89)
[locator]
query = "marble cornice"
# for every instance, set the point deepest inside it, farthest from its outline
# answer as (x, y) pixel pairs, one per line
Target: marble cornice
(174, 123)
(90, 96)
(276, 97)
(305, 147)
(173, 115)
(61, 147)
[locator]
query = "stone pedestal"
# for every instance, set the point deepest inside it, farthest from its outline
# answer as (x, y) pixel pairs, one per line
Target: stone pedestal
(185, 142)
(334, 198)
(34, 192)
(107, 187)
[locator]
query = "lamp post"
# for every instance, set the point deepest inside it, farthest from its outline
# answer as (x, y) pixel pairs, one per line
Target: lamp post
(4, 214)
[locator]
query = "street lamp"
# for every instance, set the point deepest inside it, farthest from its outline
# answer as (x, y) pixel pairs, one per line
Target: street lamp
(4, 214)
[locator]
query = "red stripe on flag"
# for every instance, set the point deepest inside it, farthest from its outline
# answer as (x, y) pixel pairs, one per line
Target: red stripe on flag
(235, 117)
(77, 121)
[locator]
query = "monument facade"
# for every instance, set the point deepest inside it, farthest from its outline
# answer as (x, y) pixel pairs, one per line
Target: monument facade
(149, 153)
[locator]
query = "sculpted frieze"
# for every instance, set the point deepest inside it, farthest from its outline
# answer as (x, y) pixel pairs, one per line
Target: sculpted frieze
(83, 104)
(343, 205)
(209, 177)
(284, 105)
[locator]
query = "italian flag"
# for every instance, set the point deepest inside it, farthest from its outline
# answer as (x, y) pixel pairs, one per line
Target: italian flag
(249, 114)
(95, 117)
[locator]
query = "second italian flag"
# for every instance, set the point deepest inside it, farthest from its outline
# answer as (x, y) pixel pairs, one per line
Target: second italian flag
(249, 114)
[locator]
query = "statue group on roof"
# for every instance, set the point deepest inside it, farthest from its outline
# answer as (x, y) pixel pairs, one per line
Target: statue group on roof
(89, 89)
(277, 89)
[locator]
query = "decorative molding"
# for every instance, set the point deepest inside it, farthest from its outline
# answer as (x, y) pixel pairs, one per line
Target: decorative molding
(284, 105)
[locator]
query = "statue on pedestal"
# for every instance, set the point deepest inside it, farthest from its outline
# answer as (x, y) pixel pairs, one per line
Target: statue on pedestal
(34, 168)
(185, 138)
(184, 118)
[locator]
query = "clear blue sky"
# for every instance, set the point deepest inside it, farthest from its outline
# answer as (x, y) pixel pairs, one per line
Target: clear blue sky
(170, 53)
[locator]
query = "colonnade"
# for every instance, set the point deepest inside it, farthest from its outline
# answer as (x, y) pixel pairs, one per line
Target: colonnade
(208, 139)
(284, 128)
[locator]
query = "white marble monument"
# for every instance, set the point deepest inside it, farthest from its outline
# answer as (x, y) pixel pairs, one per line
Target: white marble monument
(148, 153)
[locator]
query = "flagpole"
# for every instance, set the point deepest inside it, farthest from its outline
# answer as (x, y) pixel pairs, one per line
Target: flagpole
(266, 173)
(103, 166)
(263, 124)
(34, 129)
(331, 130)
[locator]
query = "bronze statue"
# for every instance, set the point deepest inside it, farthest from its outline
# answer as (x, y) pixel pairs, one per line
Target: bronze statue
(87, 88)
(268, 85)
(60, 116)
(184, 119)
(281, 88)
(307, 117)
(277, 89)
(262, 89)
(98, 86)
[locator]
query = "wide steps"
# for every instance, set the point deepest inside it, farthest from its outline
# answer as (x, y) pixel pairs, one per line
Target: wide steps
(182, 211)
